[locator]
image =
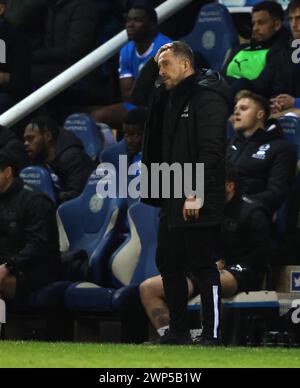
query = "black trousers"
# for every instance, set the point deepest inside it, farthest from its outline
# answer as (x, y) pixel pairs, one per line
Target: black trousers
(181, 251)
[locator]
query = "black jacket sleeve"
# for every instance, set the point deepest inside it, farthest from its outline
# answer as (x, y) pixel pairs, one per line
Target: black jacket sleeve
(75, 168)
(259, 237)
(79, 40)
(280, 178)
(19, 67)
(41, 234)
(144, 84)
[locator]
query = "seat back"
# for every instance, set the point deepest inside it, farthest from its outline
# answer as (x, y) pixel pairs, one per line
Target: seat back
(85, 128)
(107, 136)
(134, 261)
(40, 178)
(214, 35)
(91, 222)
(112, 154)
(291, 129)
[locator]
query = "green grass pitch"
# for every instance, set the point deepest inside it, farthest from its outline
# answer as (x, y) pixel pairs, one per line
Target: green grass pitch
(72, 355)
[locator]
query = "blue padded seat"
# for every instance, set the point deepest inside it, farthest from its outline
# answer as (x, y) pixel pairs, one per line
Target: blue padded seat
(107, 136)
(291, 129)
(85, 128)
(92, 223)
(134, 260)
(40, 178)
(214, 35)
(89, 297)
(131, 264)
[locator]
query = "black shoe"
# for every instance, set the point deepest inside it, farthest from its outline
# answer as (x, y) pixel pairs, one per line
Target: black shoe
(172, 338)
(205, 341)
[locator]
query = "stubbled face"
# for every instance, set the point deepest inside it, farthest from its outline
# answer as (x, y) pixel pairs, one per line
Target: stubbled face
(133, 135)
(171, 69)
(294, 19)
(138, 25)
(247, 115)
(6, 179)
(264, 26)
(35, 143)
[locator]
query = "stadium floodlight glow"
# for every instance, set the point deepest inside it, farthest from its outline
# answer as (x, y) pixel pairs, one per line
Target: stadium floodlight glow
(80, 69)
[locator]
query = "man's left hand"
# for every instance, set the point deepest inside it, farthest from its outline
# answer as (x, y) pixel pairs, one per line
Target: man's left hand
(3, 272)
(191, 208)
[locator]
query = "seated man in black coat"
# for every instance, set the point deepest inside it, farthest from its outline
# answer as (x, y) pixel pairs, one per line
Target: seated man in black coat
(243, 251)
(264, 160)
(9, 141)
(29, 247)
(61, 152)
(15, 68)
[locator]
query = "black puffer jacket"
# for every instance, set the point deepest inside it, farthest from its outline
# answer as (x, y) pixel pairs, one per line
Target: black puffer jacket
(245, 234)
(188, 125)
(287, 74)
(264, 83)
(29, 16)
(14, 146)
(28, 234)
(70, 32)
(18, 62)
(70, 35)
(71, 164)
(265, 163)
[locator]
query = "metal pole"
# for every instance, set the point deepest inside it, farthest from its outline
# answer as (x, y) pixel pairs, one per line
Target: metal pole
(80, 69)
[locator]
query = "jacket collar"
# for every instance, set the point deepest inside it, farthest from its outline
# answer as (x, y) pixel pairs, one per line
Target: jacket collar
(13, 189)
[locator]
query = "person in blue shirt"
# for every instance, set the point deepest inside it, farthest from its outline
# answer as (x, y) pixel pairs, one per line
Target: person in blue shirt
(144, 42)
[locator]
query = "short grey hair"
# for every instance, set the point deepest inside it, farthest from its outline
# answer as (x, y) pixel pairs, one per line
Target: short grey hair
(183, 50)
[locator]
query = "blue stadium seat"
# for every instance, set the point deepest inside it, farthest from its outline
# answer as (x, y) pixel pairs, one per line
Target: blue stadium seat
(131, 264)
(214, 35)
(134, 260)
(107, 135)
(92, 223)
(112, 154)
(40, 178)
(85, 128)
(291, 129)
(230, 131)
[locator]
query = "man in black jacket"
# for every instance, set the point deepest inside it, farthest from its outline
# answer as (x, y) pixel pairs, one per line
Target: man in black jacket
(187, 124)
(70, 34)
(252, 66)
(265, 161)
(243, 251)
(10, 142)
(286, 80)
(15, 66)
(61, 152)
(29, 244)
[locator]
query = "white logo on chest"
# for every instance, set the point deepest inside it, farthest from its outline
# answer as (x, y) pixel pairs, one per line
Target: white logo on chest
(261, 153)
(185, 113)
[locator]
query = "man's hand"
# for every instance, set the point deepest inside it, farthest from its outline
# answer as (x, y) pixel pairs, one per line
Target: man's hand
(163, 48)
(4, 78)
(3, 272)
(191, 208)
(220, 264)
(282, 102)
